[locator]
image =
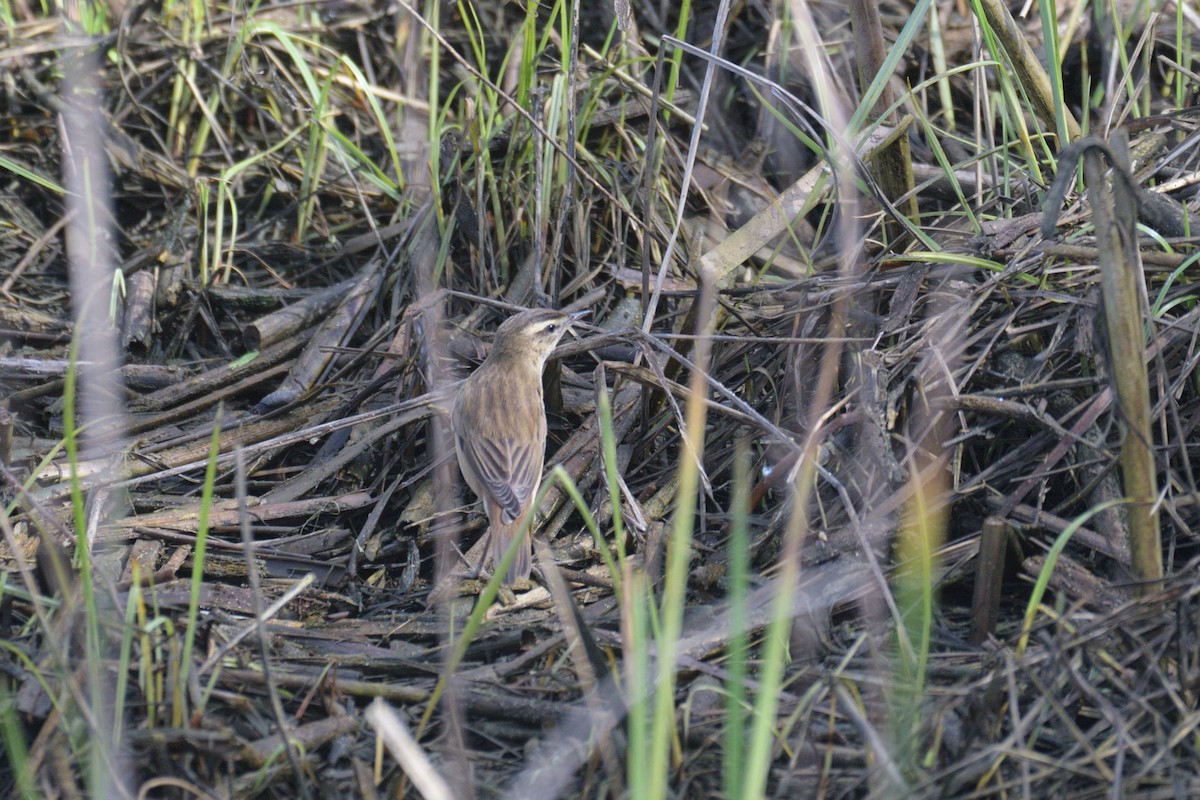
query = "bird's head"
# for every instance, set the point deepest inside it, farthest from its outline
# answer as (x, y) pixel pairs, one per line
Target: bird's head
(532, 335)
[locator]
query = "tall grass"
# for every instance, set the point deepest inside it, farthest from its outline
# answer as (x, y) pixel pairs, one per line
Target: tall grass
(527, 90)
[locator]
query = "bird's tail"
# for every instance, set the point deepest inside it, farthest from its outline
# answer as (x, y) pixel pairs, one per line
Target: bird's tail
(503, 533)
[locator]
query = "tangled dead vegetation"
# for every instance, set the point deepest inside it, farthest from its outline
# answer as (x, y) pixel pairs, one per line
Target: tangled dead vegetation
(245, 258)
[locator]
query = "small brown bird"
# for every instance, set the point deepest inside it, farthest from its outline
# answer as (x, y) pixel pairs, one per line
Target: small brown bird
(499, 422)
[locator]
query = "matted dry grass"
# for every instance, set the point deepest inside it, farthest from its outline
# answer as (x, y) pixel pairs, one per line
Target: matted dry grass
(271, 194)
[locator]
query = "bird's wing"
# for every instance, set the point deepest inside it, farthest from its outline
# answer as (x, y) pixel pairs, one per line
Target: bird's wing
(507, 470)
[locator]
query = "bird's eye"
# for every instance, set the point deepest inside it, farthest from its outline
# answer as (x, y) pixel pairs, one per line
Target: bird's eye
(551, 328)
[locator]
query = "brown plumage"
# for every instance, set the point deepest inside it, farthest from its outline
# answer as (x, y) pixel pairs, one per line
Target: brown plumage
(499, 422)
